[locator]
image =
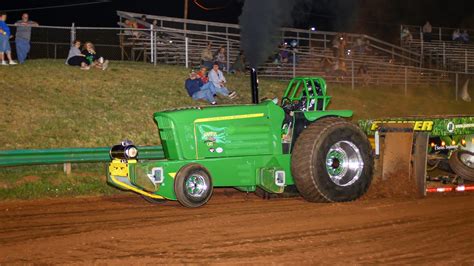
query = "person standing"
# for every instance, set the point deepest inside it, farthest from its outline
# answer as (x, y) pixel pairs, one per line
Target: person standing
(5, 37)
(23, 36)
(427, 29)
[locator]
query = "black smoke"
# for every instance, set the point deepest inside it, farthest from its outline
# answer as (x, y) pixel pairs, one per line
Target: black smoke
(260, 24)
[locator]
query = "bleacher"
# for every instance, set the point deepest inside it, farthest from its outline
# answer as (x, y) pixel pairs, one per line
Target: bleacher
(442, 52)
(386, 63)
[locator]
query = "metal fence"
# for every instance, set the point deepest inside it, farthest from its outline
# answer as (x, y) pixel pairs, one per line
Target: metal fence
(175, 41)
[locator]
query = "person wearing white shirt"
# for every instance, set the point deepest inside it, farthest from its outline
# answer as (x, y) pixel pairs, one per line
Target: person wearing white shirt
(216, 77)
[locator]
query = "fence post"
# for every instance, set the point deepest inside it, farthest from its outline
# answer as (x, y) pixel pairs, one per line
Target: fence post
(73, 33)
(152, 42)
(67, 168)
(155, 33)
(440, 38)
(465, 61)
(444, 54)
(324, 41)
(294, 64)
(457, 83)
(310, 40)
(55, 51)
(186, 40)
(406, 81)
(353, 75)
(421, 47)
(228, 55)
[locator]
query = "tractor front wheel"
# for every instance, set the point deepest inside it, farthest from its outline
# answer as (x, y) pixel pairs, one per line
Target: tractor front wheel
(332, 161)
(193, 186)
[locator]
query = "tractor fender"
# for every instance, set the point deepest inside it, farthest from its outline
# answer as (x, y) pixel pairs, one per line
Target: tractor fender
(315, 115)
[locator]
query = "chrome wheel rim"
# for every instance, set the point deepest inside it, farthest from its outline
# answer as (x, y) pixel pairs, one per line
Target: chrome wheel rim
(196, 186)
(467, 159)
(344, 163)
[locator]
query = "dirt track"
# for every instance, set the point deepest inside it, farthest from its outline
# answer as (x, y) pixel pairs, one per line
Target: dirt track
(235, 228)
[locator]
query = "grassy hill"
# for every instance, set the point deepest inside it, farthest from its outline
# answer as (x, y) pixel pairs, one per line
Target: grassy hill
(46, 104)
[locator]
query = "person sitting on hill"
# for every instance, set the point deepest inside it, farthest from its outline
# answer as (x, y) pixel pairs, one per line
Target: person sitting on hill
(197, 90)
(465, 36)
(202, 74)
(456, 35)
(76, 58)
(93, 60)
(206, 56)
(217, 79)
(221, 58)
(239, 64)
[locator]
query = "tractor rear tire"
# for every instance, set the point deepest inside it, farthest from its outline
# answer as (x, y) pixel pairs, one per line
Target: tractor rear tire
(193, 185)
(461, 165)
(332, 161)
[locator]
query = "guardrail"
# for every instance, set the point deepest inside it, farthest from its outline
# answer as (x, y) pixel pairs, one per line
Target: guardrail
(67, 156)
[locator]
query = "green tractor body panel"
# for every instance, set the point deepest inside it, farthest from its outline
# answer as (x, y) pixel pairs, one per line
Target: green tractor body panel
(216, 132)
(240, 146)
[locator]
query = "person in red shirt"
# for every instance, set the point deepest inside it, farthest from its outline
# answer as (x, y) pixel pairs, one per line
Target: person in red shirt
(202, 74)
(140, 25)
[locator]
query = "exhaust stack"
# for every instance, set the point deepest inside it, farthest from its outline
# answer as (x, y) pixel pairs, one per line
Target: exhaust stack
(254, 85)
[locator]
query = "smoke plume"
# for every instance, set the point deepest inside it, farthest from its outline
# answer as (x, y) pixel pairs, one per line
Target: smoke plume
(260, 24)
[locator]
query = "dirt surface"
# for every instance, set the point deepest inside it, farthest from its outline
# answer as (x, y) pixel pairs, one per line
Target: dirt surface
(238, 228)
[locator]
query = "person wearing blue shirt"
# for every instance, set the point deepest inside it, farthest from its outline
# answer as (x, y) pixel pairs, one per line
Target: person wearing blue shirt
(197, 90)
(5, 36)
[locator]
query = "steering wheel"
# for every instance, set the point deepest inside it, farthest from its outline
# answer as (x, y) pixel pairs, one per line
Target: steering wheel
(295, 105)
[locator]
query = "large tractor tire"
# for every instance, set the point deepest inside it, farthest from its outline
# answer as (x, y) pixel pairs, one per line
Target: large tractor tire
(332, 161)
(193, 186)
(462, 163)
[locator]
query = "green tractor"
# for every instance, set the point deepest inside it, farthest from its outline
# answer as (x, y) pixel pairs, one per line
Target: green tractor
(297, 145)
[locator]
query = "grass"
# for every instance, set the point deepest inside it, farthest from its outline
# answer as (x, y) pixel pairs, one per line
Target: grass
(46, 104)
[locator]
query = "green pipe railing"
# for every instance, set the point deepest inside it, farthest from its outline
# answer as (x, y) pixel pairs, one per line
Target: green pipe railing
(70, 155)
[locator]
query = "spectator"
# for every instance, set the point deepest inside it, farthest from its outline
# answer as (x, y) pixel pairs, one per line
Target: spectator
(465, 36)
(206, 56)
(326, 65)
(131, 24)
(359, 45)
(221, 58)
(406, 37)
(76, 58)
(5, 37)
(142, 23)
(427, 29)
(202, 74)
(92, 58)
(283, 55)
(342, 46)
(363, 72)
(335, 45)
(23, 37)
(216, 77)
(196, 89)
(457, 35)
(293, 53)
(239, 64)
